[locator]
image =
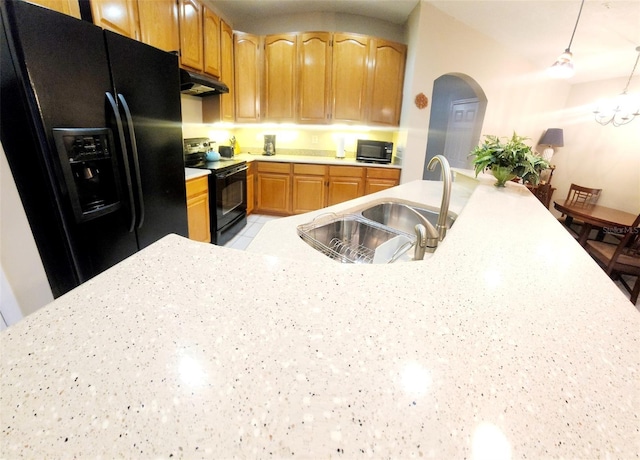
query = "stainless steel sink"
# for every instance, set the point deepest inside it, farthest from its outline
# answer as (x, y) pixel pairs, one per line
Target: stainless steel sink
(396, 215)
(349, 238)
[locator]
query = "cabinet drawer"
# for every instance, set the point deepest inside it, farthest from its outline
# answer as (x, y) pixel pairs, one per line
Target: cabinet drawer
(383, 173)
(346, 171)
(310, 170)
(282, 168)
(197, 186)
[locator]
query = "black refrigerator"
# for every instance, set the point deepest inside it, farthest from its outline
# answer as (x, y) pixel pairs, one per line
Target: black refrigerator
(90, 122)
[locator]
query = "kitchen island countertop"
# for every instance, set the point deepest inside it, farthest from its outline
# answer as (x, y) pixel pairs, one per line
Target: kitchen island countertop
(509, 342)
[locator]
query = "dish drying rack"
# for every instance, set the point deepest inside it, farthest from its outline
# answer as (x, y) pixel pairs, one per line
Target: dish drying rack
(345, 249)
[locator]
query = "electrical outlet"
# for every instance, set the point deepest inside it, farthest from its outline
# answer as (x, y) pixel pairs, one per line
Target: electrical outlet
(314, 139)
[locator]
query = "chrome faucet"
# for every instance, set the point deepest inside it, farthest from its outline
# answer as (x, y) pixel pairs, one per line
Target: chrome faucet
(445, 174)
(426, 235)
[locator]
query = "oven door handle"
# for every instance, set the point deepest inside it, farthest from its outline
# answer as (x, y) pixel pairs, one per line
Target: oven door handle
(225, 174)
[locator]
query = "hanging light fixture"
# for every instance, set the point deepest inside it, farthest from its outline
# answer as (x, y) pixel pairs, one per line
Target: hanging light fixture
(563, 67)
(621, 109)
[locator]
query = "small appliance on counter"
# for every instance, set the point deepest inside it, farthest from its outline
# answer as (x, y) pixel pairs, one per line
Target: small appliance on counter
(196, 150)
(374, 151)
(269, 145)
(225, 151)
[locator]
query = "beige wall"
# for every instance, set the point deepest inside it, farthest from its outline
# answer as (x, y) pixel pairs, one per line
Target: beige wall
(519, 97)
(598, 156)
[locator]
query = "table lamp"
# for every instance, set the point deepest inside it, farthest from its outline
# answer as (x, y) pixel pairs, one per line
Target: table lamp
(553, 137)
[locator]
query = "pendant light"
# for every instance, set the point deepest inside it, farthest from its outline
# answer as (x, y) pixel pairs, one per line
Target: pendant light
(563, 67)
(621, 109)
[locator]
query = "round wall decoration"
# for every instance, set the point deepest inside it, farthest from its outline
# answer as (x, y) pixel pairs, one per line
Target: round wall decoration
(421, 101)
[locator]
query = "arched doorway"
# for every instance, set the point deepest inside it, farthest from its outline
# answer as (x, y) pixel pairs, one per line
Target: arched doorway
(457, 112)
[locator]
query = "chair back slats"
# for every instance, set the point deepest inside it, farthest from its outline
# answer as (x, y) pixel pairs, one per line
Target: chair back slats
(629, 245)
(585, 196)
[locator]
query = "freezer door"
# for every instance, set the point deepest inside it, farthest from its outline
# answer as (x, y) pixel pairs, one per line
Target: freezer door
(147, 83)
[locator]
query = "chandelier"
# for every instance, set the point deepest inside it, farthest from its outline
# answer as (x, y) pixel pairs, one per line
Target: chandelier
(621, 109)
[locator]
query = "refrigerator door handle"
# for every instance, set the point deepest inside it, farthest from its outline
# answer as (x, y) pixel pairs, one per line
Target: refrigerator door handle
(125, 158)
(134, 154)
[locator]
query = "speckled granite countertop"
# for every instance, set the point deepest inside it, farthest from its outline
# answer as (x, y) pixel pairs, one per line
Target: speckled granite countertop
(194, 173)
(508, 343)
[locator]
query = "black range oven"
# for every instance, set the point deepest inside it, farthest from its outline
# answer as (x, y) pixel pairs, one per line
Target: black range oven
(227, 190)
(227, 200)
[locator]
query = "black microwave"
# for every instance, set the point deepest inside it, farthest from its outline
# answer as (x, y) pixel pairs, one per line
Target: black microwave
(374, 151)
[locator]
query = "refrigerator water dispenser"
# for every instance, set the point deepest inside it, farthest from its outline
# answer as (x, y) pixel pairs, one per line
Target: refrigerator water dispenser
(90, 171)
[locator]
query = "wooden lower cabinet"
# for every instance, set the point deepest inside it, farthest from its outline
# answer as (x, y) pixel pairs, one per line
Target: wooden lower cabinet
(251, 187)
(198, 209)
(345, 183)
(274, 188)
(381, 179)
(285, 189)
(309, 187)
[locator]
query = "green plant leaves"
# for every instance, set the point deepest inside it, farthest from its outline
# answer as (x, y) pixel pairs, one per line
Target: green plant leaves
(511, 153)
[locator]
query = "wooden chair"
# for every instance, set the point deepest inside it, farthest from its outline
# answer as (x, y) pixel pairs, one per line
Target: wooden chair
(543, 193)
(622, 258)
(579, 196)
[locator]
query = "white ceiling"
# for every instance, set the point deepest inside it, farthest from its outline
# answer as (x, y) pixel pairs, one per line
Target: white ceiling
(603, 46)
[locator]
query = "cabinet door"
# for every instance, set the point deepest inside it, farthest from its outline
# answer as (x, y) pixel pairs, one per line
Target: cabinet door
(376, 185)
(119, 16)
(198, 209)
(227, 112)
(246, 53)
(386, 79)
(349, 77)
(274, 193)
(381, 179)
(309, 193)
(191, 42)
(159, 24)
(309, 187)
(314, 77)
(251, 180)
(345, 183)
(280, 63)
(344, 189)
(211, 43)
(68, 7)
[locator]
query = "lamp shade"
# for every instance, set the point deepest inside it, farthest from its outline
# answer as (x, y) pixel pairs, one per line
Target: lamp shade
(552, 136)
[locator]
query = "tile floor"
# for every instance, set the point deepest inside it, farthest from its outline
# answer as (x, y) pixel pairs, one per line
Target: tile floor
(254, 225)
(256, 221)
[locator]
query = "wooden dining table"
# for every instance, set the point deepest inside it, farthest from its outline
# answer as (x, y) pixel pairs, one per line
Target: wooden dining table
(607, 220)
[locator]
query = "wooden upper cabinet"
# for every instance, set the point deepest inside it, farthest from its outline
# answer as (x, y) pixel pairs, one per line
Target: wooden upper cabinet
(159, 24)
(191, 41)
(386, 79)
(227, 105)
(246, 54)
(314, 77)
(68, 7)
(211, 30)
(349, 77)
(280, 70)
(119, 16)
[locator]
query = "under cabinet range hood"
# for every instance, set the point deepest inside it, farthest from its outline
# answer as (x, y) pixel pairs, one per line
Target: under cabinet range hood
(200, 85)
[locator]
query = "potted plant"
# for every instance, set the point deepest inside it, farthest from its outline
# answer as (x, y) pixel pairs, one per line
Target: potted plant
(508, 159)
